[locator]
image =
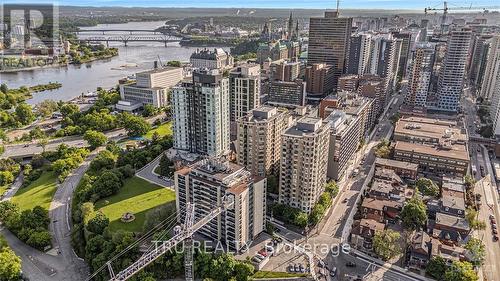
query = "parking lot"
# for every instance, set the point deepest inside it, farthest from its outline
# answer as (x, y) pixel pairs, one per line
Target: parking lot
(280, 260)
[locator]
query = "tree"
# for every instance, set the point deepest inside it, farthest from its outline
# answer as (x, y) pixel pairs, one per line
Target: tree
(383, 150)
(476, 251)
(39, 240)
(7, 208)
(149, 110)
(472, 218)
(332, 188)
(6, 178)
(460, 271)
(47, 107)
(134, 125)
(69, 109)
(105, 160)
(301, 219)
(436, 267)
(414, 212)
(242, 271)
(386, 244)
(10, 265)
(108, 183)
(427, 187)
(166, 167)
(24, 114)
(174, 63)
(3, 88)
(98, 223)
(94, 138)
(43, 143)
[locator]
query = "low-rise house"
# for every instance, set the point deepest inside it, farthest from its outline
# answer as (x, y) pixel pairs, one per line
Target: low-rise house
(380, 210)
(420, 250)
(363, 232)
(450, 229)
(450, 253)
(453, 203)
(405, 170)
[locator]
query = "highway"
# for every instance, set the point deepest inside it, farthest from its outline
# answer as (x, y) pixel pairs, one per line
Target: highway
(28, 149)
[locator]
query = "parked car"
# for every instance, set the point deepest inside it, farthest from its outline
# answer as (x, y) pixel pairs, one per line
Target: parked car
(291, 268)
(333, 272)
(495, 238)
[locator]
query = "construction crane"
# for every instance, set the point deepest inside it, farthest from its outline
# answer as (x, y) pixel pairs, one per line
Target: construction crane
(445, 10)
(181, 233)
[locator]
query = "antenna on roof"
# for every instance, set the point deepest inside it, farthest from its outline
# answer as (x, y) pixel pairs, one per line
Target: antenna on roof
(338, 11)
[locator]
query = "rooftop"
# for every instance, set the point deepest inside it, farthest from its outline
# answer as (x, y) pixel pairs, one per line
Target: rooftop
(424, 128)
(457, 151)
(377, 204)
(452, 221)
(159, 70)
(306, 125)
(396, 164)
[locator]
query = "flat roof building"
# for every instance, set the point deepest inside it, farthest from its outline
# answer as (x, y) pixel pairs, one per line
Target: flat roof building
(207, 183)
(304, 163)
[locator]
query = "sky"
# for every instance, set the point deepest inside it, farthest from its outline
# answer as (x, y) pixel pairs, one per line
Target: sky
(287, 4)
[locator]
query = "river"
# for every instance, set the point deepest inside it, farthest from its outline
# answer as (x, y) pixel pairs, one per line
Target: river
(85, 78)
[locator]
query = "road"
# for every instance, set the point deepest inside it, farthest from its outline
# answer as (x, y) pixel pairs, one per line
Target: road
(329, 231)
(21, 150)
(148, 173)
(487, 187)
(29, 149)
(60, 217)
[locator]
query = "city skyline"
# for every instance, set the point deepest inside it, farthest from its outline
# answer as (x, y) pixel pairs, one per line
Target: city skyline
(279, 4)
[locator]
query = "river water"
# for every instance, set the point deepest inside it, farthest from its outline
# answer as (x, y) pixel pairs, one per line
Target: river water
(103, 73)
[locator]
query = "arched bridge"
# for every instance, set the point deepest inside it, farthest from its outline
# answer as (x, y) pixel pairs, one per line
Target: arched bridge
(163, 38)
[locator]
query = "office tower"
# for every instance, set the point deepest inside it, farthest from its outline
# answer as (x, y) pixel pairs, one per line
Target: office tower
(406, 43)
(359, 54)
(258, 146)
(207, 184)
(287, 94)
(419, 74)
(352, 104)
(218, 58)
(283, 70)
(151, 87)
(304, 161)
(490, 89)
(329, 39)
(383, 60)
(319, 80)
(201, 113)
(479, 59)
(344, 141)
(489, 85)
(451, 78)
(244, 94)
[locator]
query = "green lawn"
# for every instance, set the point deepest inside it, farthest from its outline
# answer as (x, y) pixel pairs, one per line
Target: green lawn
(163, 130)
(39, 192)
(136, 196)
(274, 274)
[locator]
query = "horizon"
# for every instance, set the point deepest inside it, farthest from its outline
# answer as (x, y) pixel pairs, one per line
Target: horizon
(264, 4)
